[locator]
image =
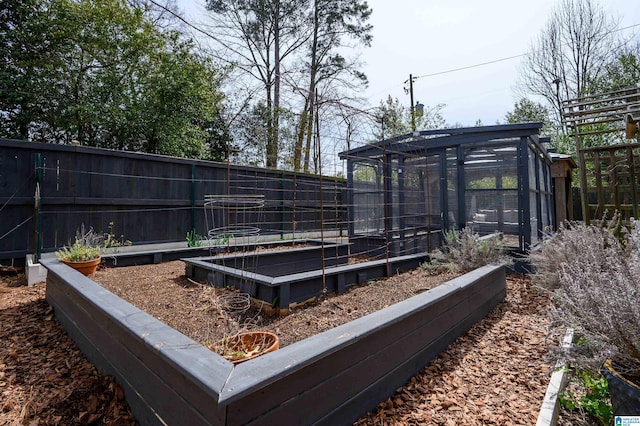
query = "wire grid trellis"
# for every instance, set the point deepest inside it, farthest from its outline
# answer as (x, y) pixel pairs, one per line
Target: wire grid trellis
(235, 219)
(233, 216)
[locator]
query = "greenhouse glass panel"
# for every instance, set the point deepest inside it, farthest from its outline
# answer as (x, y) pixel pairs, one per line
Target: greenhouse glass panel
(368, 198)
(544, 203)
(510, 227)
(533, 205)
(396, 202)
(458, 177)
(452, 188)
(541, 167)
(532, 169)
(415, 209)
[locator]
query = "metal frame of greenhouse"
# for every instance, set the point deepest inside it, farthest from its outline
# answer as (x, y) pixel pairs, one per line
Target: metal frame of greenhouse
(405, 191)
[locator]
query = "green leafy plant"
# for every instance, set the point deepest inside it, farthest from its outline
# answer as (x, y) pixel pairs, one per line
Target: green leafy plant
(194, 239)
(594, 400)
(223, 239)
(87, 245)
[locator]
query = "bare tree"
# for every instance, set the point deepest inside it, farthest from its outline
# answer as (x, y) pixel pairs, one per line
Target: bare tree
(331, 22)
(572, 51)
(258, 35)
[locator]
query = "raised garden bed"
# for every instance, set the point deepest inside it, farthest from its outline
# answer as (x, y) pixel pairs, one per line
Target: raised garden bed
(286, 277)
(331, 378)
(133, 255)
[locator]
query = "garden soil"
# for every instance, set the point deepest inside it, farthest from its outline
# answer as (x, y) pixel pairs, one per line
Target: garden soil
(495, 374)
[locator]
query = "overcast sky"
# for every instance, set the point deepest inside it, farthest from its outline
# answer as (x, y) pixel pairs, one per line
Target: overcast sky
(423, 37)
(426, 37)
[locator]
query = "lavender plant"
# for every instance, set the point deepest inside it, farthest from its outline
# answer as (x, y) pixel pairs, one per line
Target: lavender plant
(465, 250)
(595, 279)
(86, 246)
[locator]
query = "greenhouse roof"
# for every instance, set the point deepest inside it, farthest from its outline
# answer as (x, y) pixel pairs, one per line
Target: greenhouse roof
(442, 138)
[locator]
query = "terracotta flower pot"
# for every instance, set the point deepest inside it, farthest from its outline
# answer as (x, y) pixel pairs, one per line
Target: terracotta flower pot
(87, 267)
(245, 346)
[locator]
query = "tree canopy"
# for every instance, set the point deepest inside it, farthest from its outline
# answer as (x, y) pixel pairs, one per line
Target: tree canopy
(395, 118)
(295, 47)
(102, 73)
(528, 111)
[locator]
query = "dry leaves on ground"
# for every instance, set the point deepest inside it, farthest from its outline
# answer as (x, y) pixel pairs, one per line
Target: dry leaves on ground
(44, 378)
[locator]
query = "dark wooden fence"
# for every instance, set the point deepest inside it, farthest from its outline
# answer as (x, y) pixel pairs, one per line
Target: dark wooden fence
(148, 198)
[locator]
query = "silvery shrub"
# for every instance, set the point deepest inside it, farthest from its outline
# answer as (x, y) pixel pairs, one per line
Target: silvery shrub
(593, 272)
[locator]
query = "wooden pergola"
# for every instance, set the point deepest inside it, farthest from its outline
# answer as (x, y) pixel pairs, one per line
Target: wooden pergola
(609, 175)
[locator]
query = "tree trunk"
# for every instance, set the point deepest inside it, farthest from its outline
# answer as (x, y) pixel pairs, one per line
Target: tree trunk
(272, 146)
(297, 149)
(312, 87)
(307, 148)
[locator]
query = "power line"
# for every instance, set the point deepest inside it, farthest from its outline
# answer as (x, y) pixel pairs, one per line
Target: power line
(481, 64)
(508, 58)
(471, 66)
(187, 23)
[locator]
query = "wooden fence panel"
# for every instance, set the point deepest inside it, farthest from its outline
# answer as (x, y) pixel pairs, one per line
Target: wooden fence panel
(148, 198)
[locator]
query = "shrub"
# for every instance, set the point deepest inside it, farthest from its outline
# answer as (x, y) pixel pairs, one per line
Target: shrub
(595, 279)
(465, 250)
(88, 244)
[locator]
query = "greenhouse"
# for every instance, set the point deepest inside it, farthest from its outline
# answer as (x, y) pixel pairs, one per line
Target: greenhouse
(405, 191)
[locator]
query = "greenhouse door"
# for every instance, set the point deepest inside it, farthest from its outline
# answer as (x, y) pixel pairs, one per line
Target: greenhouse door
(429, 184)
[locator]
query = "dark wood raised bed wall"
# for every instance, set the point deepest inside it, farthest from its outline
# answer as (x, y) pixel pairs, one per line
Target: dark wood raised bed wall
(332, 378)
(166, 376)
(149, 198)
(306, 278)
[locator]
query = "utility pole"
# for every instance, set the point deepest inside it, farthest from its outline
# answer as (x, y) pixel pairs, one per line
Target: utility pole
(418, 105)
(413, 114)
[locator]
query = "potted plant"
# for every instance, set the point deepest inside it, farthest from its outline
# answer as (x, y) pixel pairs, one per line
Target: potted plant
(593, 273)
(83, 254)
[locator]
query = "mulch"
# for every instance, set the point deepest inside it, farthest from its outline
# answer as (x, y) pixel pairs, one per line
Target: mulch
(44, 378)
(495, 374)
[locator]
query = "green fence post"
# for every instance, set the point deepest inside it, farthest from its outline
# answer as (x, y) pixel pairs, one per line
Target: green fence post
(282, 208)
(193, 198)
(37, 205)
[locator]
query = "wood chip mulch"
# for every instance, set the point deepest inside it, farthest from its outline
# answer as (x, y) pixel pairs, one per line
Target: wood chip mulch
(164, 292)
(44, 378)
(495, 374)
